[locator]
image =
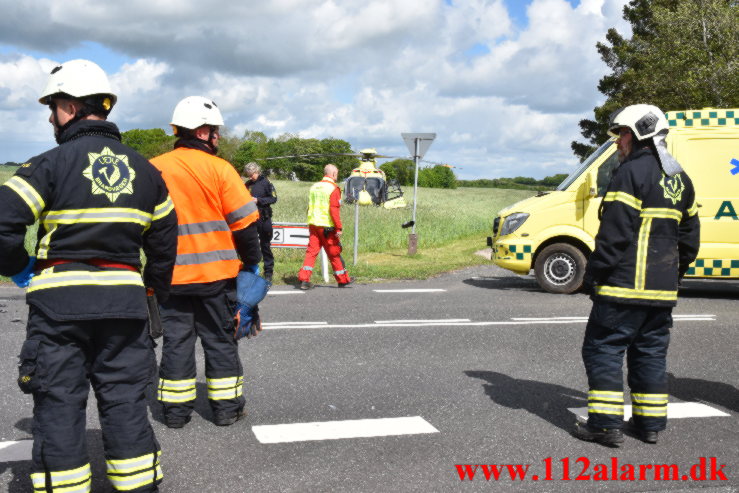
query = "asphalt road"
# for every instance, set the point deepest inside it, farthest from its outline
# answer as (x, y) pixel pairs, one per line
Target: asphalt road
(479, 367)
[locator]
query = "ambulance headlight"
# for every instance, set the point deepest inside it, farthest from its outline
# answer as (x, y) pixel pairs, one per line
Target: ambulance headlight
(513, 222)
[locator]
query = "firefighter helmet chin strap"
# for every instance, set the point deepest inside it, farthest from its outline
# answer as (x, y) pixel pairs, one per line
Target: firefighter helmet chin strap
(669, 164)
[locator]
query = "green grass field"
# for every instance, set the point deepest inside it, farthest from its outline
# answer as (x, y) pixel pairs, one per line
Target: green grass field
(451, 226)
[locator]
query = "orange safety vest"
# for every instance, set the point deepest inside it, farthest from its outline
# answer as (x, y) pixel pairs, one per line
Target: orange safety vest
(211, 201)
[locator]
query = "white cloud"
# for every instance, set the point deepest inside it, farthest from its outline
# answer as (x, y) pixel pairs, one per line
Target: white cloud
(503, 100)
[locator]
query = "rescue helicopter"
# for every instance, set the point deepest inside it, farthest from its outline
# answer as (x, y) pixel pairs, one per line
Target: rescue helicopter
(367, 183)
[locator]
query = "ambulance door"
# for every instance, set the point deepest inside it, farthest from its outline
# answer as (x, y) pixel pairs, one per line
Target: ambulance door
(599, 179)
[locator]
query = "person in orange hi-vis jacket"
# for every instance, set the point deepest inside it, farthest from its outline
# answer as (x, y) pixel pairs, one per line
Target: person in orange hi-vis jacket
(324, 226)
(217, 237)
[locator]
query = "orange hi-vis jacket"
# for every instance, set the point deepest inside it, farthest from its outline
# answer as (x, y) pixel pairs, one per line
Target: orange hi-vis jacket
(211, 201)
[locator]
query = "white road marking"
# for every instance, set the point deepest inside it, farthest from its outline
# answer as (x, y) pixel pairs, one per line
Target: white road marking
(297, 324)
(438, 323)
(335, 430)
(421, 321)
(675, 410)
(274, 293)
(408, 290)
(15, 451)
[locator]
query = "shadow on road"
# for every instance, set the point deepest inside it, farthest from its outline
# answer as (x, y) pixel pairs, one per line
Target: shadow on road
(698, 390)
(21, 470)
(546, 400)
(504, 283)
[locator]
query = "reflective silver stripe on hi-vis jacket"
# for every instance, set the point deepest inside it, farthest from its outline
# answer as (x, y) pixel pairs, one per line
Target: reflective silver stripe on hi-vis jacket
(176, 390)
(29, 194)
(200, 228)
(225, 388)
(131, 474)
(205, 257)
(241, 212)
(69, 481)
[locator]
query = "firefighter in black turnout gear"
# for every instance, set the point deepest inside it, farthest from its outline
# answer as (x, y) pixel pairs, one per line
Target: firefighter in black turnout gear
(97, 203)
(648, 237)
(263, 190)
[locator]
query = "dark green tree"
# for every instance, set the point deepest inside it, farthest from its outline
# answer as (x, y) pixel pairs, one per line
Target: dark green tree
(683, 54)
(149, 143)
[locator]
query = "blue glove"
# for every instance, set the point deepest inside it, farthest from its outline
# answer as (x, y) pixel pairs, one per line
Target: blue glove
(250, 290)
(247, 322)
(254, 269)
(22, 278)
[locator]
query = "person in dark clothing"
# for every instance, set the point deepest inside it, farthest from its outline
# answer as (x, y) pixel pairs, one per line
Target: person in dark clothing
(263, 190)
(649, 235)
(98, 203)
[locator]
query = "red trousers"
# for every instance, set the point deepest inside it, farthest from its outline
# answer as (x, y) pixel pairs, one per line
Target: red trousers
(331, 244)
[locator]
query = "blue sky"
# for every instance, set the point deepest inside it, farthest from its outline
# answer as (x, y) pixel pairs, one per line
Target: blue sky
(503, 83)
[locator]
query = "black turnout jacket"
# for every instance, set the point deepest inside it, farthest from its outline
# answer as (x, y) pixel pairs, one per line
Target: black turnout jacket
(649, 234)
(97, 202)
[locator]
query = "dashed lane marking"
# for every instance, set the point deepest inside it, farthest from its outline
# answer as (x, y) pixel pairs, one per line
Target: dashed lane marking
(675, 410)
(276, 293)
(335, 430)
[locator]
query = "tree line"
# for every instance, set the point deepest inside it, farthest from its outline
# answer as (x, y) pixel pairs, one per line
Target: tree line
(683, 54)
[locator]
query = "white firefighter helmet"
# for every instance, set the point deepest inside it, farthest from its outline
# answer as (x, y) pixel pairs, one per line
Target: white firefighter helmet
(196, 111)
(80, 79)
(645, 120)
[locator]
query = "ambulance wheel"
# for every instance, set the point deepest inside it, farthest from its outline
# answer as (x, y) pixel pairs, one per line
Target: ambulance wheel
(559, 268)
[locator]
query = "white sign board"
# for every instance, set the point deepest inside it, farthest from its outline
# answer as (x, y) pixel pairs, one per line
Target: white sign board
(289, 235)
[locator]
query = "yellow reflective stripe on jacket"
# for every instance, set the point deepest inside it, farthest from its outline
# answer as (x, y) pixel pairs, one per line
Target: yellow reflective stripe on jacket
(45, 242)
(225, 388)
(176, 390)
(655, 212)
(606, 395)
(70, 480)
(623, 197)
(163, 209)
(106, 215)
(47, 280)
(131, 474)
(640, 271)
(29, 194)
(645, 294)
(693, 209)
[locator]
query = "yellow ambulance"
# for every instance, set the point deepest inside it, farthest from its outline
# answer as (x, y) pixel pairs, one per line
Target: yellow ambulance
(554, 232)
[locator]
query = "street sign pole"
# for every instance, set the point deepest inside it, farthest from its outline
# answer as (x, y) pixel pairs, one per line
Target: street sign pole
(417, 144)
(356, 230)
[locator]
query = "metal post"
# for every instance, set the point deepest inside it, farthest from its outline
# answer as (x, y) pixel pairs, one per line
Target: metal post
(356, 230)
(412, 237)
(415, 186)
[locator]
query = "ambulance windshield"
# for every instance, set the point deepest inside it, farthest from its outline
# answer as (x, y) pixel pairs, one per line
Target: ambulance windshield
(584, 166)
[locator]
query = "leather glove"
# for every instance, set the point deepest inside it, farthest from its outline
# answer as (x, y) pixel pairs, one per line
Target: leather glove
(247, 322)
(23, 278)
